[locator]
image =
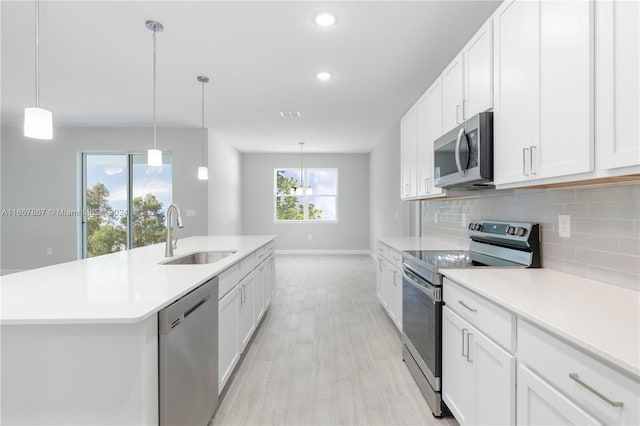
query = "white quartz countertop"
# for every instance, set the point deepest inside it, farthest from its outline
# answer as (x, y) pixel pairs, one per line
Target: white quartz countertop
(431, 242)
(599, 318)
(123, 287)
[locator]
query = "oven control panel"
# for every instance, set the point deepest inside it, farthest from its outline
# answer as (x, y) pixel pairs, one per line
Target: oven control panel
(507, 230)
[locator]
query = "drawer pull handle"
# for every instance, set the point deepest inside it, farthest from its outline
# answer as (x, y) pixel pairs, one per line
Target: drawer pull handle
(469, 335)
(576, 378)
(464, 332)
(467, 306)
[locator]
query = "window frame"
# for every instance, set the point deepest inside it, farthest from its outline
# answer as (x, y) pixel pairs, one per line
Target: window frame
(305, 172)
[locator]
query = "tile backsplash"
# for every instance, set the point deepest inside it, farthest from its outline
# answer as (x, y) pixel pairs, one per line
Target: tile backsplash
(605, 226)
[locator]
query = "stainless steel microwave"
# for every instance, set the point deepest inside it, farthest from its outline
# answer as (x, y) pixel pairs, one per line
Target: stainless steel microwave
(463, 157)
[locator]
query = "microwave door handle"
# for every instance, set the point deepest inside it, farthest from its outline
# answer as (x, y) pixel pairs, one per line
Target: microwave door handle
(458, 162)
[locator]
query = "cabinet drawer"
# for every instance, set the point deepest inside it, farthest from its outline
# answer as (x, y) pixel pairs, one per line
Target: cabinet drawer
(395, 257)
(270, 248)
(228, 279)
(580, 376)
(261, 255)
(383, 250)
(495, 322)
(247, 264)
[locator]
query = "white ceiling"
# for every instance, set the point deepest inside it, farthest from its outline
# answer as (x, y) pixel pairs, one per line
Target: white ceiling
(262, 57)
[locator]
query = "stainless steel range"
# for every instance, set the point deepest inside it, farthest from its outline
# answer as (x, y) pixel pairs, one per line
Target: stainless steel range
(494, 244)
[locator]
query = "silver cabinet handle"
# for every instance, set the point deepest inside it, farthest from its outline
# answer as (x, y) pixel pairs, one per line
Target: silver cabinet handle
(240, 290)
(426, 184)
(469, 347)
(457, 114)
(244, 293)
(532, 164)
(576, 378)
(467, 306)
(464, 331)
(407, 188)
(524, 161)
(464, 109)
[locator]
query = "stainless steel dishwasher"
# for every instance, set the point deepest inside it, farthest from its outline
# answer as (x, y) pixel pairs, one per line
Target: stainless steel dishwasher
(188, 358)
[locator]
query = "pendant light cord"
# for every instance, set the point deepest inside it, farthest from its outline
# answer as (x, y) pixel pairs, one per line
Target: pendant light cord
(154, 89)
(37, 54)
(203, 122)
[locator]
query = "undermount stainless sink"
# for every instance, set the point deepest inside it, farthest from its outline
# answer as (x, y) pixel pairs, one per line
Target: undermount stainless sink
(200, 258)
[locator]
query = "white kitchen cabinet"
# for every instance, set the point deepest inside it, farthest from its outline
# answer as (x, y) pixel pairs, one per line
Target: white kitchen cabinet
(543, 81)
(269, 276)
(429, 119)
(247, 311)
(453, 93)
(394, 307)
(478, 375)
(478, 72)
(617, 84)
(408, 150)
(259, 282)
(540, 404)
(228, 336)
(382, 287)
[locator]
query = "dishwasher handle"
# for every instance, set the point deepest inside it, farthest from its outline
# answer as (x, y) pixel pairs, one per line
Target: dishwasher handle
(175, 314)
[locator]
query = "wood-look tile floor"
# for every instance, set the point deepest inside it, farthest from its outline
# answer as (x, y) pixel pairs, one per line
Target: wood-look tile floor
(325, 354)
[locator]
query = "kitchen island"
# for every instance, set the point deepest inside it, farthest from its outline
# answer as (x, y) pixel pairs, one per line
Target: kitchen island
(79, 340)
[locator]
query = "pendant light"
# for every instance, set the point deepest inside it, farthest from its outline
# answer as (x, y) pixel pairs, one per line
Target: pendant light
(154, 155)
(301, 190)
(203, 172)
(38, 122)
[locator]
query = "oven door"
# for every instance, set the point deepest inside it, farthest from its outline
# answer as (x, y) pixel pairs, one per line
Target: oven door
(422, 324)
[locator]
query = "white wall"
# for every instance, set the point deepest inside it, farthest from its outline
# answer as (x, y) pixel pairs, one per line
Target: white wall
(352, 231)
(45, 174)
(388, 215)
(224, 188)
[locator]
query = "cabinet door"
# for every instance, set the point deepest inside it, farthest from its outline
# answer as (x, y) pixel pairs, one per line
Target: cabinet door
(395, 291)
(478, 72)
(566, 64)
(268, 281)
(617, 83)
(429, 119)
(260, 283)
(228, 335)
(408, 147)
(381, 281)
(516, 89)
(540, 404)
(457, 371)
(494, 382)
(453, 94)
(247, 309)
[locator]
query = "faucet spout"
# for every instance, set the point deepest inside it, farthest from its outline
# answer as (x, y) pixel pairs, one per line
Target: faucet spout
(169, 244)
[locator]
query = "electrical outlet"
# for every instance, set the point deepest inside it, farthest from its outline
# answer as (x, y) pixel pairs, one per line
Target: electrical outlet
(310, 237)
(190, 213)
(463, 222)
(564, 226)
(49, 251)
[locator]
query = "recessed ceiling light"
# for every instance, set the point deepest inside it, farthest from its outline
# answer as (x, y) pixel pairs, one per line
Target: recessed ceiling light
(325, 19)
(324, 75)
(289, 114)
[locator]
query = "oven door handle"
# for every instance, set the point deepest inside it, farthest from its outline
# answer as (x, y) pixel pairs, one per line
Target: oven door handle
(462, 172)
(431, 293)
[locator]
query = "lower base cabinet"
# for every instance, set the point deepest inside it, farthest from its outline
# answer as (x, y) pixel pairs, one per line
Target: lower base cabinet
(478, 375)
(239, 313)
(539, 403)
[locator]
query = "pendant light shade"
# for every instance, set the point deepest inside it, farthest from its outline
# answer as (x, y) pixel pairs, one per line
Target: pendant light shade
(154, 156)
(301, 190)
(203, 172)
(38, 122)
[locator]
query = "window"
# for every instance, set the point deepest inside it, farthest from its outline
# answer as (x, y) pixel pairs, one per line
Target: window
(317, 202)
(123, 202)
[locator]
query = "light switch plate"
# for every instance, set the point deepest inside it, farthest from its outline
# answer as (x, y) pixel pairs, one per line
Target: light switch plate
(190, 212)
(564, 226)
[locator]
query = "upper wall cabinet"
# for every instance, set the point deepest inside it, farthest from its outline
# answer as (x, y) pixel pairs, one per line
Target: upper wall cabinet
(478, 72)
(408, 149)
(453, 91)
(617, 84)
(543, 65)
(429, 109)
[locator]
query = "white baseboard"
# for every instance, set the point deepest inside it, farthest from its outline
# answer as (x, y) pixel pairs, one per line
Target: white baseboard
(367, 252)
